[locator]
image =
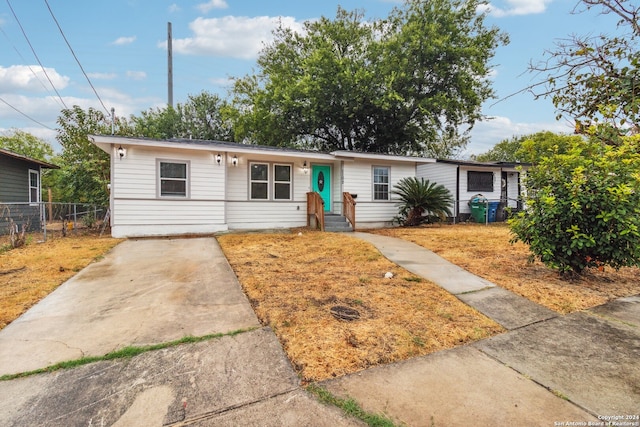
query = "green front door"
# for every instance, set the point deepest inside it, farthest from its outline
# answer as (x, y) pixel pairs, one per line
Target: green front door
(321, 183)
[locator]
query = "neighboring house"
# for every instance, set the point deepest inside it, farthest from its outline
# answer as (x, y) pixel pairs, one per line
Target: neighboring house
(171, 187)
(20, 181)
(497, 181)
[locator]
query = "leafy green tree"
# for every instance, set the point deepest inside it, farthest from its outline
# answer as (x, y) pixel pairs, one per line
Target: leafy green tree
(583, 207)
(203, 116)
(528, 148)
(387, 86)
(595, 79)
(24, 143)
(422, 201)
(85, 168)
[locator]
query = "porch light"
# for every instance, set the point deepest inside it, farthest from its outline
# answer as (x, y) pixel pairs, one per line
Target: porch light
(122, 152)
(305, 168)
(234, 160)
(218, 159)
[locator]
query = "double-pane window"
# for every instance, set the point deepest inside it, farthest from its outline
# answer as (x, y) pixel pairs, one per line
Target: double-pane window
(173, 179)
(380, 183)
(268, 181)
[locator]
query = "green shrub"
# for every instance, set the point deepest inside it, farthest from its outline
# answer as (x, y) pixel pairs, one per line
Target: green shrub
(583, 207)
(421, 201)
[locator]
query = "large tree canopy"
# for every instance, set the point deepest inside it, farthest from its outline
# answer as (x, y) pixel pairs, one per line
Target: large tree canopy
(202, 116)
(595, 79)
(406, 84)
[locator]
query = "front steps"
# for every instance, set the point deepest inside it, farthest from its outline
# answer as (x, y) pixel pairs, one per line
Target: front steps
(336, 223)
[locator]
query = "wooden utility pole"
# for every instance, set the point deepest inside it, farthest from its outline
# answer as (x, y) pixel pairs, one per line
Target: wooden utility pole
(169, 65)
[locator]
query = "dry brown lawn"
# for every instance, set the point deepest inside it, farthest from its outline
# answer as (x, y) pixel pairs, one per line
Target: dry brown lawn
(31, 272)
(486, 251)
(294, 280)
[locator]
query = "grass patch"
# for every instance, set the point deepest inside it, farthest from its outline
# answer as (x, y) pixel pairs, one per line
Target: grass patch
(485, 251)
(294, 292)
(39, 268)
(349, 407)
(123, 353)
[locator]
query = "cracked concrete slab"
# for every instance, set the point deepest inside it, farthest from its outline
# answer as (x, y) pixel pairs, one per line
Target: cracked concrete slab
(233, 378)
(592, 361)
(508, 309)
(458, 387)
(142, 292)
(625, 310)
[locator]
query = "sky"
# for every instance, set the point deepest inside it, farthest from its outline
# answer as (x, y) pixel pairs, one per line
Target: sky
(118, 57)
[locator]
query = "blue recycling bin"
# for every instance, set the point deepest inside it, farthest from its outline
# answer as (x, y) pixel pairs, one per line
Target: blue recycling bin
(493, 211)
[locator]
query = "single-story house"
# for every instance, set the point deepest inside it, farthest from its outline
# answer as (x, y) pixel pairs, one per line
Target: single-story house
(170, 187)
(20, 188)
(499, 182)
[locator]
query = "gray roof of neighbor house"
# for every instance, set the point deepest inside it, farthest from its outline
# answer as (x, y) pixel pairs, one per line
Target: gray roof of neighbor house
(484, 164)
(28, 159)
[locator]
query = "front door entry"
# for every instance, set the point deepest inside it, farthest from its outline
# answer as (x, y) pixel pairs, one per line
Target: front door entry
(321, 183)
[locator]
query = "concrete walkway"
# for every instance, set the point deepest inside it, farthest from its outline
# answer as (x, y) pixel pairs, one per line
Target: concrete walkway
(506, 308)
(548, 370)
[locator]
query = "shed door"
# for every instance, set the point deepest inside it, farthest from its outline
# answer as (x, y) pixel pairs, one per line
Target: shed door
(321, 183)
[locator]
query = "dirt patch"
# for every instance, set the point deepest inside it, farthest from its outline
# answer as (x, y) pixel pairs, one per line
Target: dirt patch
(31, 272)
(293, 282)
(485, 250)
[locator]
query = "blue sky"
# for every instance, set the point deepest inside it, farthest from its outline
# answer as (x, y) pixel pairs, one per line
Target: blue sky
(121, 44)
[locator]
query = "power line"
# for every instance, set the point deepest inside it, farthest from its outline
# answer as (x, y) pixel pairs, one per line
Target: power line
(35, 54)
(25, 61)
(26, 115)
(75, 57)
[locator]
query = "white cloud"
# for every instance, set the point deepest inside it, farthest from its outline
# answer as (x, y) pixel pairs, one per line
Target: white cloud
(221, 81)
(174, 8)
(517, 7)
(121, 41)
(212, 4)
(30, 78)
(136, 75)
(102, 76)
(488, 133)
(232, 36)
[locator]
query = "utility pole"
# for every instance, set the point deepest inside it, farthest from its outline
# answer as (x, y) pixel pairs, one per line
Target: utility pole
(169, 65)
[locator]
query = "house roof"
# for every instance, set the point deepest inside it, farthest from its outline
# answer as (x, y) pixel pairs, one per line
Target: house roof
(510, 165)
(374, 156)
(28, 159)
(105, 142)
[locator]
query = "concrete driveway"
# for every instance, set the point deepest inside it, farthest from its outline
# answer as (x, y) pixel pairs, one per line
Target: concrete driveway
(142, 292)
(146, 292)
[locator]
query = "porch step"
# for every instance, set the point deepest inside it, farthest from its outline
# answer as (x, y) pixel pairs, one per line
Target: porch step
(336, 223)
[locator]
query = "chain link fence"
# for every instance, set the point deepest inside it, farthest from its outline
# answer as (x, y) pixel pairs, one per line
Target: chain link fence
(47, 218)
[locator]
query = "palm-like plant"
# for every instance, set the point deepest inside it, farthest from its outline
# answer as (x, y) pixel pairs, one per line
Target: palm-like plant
(422, 201)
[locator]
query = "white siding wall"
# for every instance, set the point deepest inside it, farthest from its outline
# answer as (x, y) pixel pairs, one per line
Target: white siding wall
(441, 173)
(466, 195)
(358, 179)
(139, 211)
(243, 213)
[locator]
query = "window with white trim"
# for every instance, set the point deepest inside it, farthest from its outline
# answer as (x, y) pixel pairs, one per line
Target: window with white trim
(380, 183)
(259, 181)
(174, 178)
(282, 182)
(34, 186)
